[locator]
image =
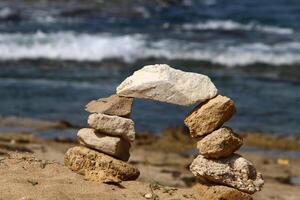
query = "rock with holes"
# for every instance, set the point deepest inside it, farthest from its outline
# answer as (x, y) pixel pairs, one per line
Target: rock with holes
(220, 192)
(113, 105)
(113, 125)
(96, 166)
(220, 143)
(166, 84)
(209, 116)
(234, 171)
(114, 146)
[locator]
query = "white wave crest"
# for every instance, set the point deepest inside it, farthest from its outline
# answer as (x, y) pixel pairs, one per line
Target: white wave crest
(229, 25)
(96, 47)
(68, 46)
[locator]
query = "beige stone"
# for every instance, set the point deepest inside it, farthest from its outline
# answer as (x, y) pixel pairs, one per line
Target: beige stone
(96, 166)
(113, 125)
(209, 116)
(220, 143)
(113, 105)
(220, 192)
(234, 171)
(114, 146)
(163, 83)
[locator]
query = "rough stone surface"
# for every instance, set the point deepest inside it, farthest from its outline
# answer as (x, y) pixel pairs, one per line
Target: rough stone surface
(96, 166)
(113, 125)
(114, 146)
(221, 192)
(220, 143)
(234, 171)
(209, 116)
(164, 83)
(113, 105)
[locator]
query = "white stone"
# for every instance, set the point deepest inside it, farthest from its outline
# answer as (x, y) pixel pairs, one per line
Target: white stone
(166, 84)
(234, 171)
(113, 146)
(113, 125)
(148, 196)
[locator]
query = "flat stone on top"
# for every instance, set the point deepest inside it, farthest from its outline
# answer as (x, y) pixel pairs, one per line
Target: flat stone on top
(113, 105)
(163, 83)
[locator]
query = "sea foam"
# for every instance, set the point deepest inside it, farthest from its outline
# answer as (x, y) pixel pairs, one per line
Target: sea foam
(229, 25)
(131, 47)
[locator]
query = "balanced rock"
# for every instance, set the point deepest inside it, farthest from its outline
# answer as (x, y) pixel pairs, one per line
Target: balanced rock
(113, 105)
(96, 166)
(166, 84)
(221, 192)
(114, 146)
(234, 171)
(220, 143)
(113, 125)
(209, 116)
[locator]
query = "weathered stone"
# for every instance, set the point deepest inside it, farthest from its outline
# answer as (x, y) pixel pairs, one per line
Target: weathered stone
(113, 105)
(220, 192)
(96, 166)
(220, 143)
(114, 146)
(234, 171)
(113, 125)
(209, 116)
(163, 83)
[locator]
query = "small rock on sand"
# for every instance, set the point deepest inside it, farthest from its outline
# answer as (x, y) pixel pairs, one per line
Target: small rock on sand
(114, 146)
(163, 83)
(113, 125)
(148, 196)
(220, 143)
(113, 105)
(96, 166)
(234, 171)
(209, 116)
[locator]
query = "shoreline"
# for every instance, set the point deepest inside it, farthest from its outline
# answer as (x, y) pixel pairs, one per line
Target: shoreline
(174, 138)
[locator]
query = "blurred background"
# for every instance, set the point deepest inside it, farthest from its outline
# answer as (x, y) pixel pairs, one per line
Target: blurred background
(55, 56)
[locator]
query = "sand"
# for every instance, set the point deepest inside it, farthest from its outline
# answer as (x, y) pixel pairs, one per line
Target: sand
(32, 168)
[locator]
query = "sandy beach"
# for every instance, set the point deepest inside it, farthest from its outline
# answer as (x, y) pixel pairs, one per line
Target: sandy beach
(151, 99)
(32, 168)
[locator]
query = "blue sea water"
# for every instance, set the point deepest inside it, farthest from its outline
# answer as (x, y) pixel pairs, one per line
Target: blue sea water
(55, 56)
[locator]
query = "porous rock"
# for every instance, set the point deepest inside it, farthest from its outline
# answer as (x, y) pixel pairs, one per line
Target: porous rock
(220, 143)
(234, 171)
(114, 146)
(209, 116)
(113, 105)
(113, 125)
(166, 84)
(96, 166)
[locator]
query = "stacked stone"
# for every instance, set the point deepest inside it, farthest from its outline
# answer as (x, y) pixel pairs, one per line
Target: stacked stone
(218, 163)
(105, 146)
(112, 131)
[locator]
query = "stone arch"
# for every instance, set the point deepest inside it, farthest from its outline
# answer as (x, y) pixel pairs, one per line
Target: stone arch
(106, 144)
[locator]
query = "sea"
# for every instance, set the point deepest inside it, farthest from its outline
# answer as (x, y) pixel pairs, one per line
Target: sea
(56, 56)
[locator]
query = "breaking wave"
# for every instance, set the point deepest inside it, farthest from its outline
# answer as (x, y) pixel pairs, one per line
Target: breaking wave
(229, 25)
(97, 47)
